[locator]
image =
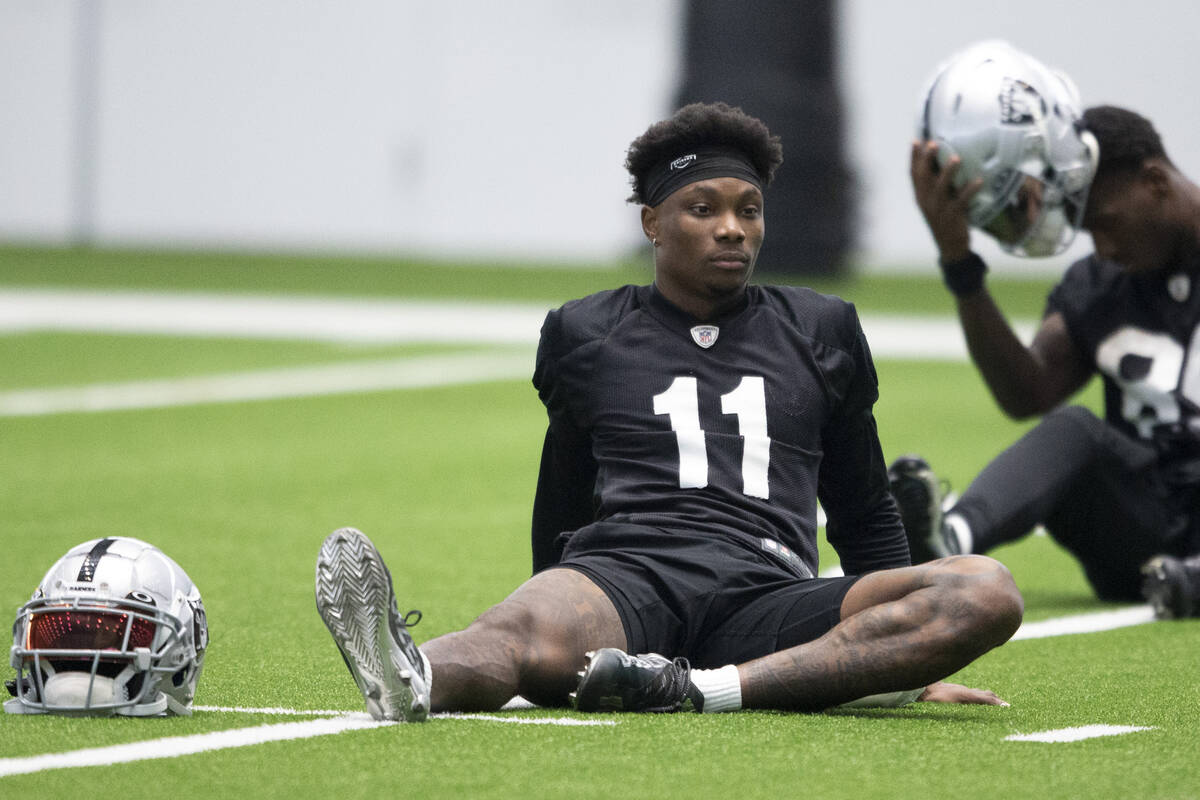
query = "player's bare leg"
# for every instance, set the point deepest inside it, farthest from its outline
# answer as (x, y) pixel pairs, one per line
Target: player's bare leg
(532, 644)
(901, 629)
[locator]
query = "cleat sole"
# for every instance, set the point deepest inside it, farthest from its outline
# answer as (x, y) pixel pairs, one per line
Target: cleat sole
(353, 596)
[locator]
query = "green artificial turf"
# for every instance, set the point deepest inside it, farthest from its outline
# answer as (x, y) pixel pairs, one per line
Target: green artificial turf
(442, 479)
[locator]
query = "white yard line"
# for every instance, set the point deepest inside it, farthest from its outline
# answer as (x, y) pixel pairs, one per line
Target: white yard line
(173, 746)
(1076, 734)
(332, 320)
(1086, 623)
(344, 378)
(374, 321)
(269, 316)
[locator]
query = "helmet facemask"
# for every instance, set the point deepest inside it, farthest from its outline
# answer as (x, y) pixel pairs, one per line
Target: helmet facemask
(91, 656)
(1039, 216)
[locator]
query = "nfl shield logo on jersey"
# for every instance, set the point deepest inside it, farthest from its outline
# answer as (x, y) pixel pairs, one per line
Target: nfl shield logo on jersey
(705, 335)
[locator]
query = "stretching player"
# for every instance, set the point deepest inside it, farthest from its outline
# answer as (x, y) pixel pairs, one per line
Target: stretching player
(1120, 493)
(693, 425)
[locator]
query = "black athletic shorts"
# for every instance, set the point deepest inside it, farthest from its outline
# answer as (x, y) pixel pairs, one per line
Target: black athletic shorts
(715, 600)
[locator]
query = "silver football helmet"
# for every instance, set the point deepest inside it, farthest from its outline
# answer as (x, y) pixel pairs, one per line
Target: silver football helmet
(115, 627)
(1016, 124)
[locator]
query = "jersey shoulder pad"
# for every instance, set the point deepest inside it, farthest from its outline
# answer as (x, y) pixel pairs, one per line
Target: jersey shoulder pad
(588, 318)
(824, 317)
(1088, 282)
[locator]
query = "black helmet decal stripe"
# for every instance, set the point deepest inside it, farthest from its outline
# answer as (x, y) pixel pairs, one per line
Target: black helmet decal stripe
(88, 570)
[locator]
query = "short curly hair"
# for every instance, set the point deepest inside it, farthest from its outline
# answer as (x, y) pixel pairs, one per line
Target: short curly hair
(698, 125)
(1126, 139)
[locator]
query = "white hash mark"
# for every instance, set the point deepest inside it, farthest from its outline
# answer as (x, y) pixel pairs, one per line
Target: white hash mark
(1076, 734)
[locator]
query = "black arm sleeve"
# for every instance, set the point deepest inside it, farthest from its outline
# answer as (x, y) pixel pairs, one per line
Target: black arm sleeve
(863, 522)
(564, 500)
(567, 474)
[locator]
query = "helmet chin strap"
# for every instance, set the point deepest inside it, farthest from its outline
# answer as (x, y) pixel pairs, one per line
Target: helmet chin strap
(147, 707)
(175, 706)
(150, 709)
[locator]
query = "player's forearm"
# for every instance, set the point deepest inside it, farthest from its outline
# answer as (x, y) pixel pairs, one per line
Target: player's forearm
(1010, 370)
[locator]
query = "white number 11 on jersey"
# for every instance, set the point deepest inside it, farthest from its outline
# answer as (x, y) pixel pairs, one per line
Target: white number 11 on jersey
(680, 402)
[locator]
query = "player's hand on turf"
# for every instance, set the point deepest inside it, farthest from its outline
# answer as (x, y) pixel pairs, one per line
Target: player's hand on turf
(943, 206)
(954, 693)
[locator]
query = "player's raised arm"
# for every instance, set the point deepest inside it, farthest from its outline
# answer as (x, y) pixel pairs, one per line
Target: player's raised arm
(1000, 149)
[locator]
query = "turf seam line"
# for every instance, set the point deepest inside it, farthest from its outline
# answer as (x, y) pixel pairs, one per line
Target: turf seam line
(517, 704)
(564, 721)
(292, 712)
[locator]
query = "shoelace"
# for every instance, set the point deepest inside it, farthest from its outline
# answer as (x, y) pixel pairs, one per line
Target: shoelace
(670, 687)
(401, 626)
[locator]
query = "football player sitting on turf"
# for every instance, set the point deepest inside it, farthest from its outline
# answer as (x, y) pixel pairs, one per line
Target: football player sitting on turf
(1120, 493)
(693, 425)
(115, 627)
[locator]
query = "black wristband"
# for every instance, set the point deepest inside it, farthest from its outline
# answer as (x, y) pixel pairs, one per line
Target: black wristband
(965, 276)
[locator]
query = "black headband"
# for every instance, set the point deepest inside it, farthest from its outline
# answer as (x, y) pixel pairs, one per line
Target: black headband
(698, 165)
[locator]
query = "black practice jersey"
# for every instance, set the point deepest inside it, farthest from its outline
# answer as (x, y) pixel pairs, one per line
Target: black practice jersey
(735, 427)
(1141, 334)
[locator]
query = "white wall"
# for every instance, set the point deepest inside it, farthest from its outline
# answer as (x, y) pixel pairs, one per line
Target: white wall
(468, 127)
(1143, 55)
(36, 180)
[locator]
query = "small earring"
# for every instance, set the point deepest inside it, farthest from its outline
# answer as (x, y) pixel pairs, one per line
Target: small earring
(654, 241)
